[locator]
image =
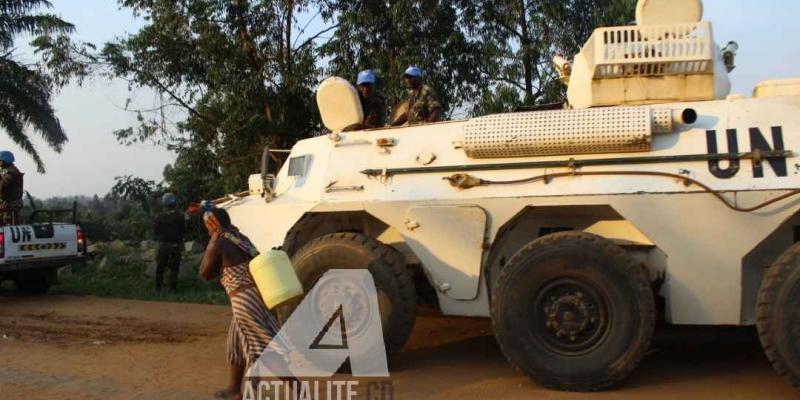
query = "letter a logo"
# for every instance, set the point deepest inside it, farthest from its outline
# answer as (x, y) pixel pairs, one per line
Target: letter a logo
(338, 320)
(318, 345)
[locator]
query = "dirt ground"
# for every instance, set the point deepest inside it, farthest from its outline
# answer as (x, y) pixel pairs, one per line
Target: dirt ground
(61, 347)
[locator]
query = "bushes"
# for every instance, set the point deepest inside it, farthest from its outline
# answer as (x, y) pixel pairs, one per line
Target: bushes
(121, 274)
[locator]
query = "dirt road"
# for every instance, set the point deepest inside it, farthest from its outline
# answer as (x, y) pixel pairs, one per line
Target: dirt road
(57, 347)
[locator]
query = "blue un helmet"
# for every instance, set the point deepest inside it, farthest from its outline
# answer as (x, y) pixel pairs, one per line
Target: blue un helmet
(414, 71)
(7, 157)
(206, 206)
(169, 200)
(366, 76)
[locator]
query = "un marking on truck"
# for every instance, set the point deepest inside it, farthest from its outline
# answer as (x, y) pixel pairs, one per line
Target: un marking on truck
(757, 143)
(21, 234)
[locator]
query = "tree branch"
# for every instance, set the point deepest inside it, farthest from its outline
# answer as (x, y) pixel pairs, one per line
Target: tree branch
(303, 29)
(317, 36)
(163, 88)
(496, 17)
(509, 28)
(520, 86)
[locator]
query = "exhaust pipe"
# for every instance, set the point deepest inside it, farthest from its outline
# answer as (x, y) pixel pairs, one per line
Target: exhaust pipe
(687, 116)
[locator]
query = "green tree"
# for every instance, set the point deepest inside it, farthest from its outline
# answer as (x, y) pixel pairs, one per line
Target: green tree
(195, 175)
(234, 71)
(137, 190)
(504, 98)
(26, 90)
(527, 33)
(390, 36)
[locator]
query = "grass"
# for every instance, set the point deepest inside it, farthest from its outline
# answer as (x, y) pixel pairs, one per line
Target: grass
(127, 280)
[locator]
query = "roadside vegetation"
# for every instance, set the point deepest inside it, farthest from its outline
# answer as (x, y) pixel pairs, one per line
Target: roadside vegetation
(128, 280)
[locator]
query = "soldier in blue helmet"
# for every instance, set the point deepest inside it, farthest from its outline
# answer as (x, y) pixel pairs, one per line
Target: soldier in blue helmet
(169, 230)
(11, 189)
(373, 104)
(423, 105)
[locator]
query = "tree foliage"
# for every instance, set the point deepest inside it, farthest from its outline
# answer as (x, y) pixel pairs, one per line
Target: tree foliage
(137, 190)
(195, 175)
(527, 33)
(504, 98)
(234, 69)
(389, 36)
(111, 217)
(26, 90)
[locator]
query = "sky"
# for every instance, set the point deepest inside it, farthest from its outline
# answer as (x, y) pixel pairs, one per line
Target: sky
(767, 33)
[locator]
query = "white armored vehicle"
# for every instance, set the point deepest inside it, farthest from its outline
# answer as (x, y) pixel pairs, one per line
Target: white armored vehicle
(653, 196)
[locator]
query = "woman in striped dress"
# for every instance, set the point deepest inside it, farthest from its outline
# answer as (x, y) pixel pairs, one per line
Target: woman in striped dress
(252, 326)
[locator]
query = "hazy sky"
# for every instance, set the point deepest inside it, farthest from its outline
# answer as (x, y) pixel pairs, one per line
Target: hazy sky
(767, 33)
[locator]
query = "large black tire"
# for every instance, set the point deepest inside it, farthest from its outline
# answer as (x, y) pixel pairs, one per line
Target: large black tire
(396, 294)
(39, 285)
(778, 315)
(573, 311)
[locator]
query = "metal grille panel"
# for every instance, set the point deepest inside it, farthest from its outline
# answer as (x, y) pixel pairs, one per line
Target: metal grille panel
(542, 133)
(675, 49)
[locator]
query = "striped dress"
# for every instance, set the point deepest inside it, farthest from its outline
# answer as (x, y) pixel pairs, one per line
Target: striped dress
(252, 326)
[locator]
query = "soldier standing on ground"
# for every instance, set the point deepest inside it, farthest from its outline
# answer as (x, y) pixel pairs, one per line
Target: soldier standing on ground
(423, 105)
(373, 104)
(11, 190)
(169, 230)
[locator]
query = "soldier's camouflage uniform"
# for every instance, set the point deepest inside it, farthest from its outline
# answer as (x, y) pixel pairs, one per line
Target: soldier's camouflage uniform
(422, 103)
(10, 195)
(375, 109)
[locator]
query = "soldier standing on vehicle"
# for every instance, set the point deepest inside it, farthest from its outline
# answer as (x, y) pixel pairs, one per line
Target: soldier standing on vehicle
(423, 105)
(373, 104)
(11, 189)
(169, 229)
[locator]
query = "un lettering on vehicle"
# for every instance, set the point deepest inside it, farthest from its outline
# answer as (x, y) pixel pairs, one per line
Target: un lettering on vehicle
(758, 142)
(21, 234)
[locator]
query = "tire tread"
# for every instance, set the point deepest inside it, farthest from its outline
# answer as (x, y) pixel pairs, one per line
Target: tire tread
(776, 276)
(395, 262)
(642, 287)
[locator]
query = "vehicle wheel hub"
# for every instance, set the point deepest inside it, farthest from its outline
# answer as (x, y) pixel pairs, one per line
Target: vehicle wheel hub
(570, 317)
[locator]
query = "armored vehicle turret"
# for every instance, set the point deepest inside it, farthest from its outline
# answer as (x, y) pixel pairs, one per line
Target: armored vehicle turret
(654, 195)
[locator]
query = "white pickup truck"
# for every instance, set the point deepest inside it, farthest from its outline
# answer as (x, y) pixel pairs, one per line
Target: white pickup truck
(31, 254)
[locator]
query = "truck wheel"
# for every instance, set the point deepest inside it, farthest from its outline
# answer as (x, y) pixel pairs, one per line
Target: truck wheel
(396, 294)
(778, 315)
(33, 285)
(573, 311)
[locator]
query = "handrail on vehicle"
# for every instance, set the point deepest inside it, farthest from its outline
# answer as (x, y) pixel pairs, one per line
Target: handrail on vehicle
(51, 213)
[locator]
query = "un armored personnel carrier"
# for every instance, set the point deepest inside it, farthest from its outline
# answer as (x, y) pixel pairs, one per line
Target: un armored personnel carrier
(654, 195)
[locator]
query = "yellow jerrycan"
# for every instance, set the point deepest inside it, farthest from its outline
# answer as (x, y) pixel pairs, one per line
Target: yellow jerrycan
(275, 278)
